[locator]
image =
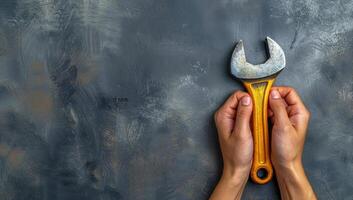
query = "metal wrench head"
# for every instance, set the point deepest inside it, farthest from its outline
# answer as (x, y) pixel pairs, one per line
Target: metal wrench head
(240, 68)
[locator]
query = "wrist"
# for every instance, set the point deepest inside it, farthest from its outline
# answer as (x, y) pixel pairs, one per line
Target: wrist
(294, 168)
(291, 177)
(292, 165)
(235, 177)
(231, 185)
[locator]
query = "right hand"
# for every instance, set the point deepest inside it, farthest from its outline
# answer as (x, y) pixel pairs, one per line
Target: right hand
(290, 119)
(234, 134)
(233, 126)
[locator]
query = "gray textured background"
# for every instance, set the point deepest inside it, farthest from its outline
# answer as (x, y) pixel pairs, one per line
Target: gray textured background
(112, 99)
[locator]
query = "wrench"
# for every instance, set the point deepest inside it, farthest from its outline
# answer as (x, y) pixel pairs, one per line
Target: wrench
(258, 80)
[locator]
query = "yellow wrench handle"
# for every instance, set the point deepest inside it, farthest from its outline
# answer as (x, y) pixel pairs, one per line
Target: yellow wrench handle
(259, 89)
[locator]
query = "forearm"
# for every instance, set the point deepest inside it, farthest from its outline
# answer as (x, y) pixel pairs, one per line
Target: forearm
(293, 182)
(230, 187)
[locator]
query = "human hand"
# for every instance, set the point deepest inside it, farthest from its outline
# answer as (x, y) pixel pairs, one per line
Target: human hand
(289, 118)
(233, 126)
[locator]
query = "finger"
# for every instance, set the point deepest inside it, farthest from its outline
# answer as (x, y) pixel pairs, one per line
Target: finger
(291, 97)
(242, 121)
(225, 115)
(278, 107)
(296, 108)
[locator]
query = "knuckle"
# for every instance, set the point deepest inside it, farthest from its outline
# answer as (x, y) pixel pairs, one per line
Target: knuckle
(234, 95)
(216, 116)
(307, 114)
(292, 90)
(237, 93)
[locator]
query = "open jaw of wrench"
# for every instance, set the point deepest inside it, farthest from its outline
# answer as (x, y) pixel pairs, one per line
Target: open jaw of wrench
(258, 80)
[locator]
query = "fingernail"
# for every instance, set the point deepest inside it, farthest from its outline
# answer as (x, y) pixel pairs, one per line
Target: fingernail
(245, 101)
(275, 94)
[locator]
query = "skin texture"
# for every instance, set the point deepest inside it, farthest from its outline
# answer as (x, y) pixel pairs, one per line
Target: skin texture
(289, 118)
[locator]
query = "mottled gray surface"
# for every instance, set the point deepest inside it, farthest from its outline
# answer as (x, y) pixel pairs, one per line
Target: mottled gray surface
(112, 99)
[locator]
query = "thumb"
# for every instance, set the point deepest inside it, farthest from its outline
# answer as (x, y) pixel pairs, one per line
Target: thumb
(278, 107)
(242, 121)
